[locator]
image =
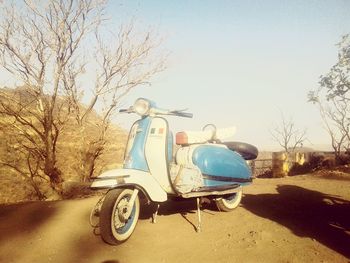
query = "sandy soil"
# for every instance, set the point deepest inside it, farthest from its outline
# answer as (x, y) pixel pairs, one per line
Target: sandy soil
(296, 219)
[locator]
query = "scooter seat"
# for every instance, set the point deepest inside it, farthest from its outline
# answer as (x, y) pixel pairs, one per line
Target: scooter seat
(193, 137)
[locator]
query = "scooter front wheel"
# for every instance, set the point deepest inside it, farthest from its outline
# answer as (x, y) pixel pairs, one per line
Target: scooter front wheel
(229, 203)
(116, 222)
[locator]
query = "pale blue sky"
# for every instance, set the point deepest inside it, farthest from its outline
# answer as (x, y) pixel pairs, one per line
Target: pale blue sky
(242, 62)
(239, 62)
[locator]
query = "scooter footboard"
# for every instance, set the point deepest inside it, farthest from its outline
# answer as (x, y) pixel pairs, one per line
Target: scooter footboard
(119, 178)
(210, 191)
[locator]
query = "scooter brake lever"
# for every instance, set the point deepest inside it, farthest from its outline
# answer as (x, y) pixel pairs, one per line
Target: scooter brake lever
(129, 110)
(179, 110)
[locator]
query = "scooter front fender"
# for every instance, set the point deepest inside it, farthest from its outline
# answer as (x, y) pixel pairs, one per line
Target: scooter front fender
(118, 178)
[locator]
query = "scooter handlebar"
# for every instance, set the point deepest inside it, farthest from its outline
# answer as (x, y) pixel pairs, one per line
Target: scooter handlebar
(165, 112)
(182, 114)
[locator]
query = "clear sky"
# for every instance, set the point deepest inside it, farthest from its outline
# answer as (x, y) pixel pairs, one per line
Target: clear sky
(242, 62)
(239, 63)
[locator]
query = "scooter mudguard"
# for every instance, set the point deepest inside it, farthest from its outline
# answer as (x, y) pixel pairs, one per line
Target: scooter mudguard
(118, 178)
(221, 166)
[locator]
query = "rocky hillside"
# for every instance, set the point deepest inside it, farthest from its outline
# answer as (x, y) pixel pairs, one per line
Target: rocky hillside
(74, 140)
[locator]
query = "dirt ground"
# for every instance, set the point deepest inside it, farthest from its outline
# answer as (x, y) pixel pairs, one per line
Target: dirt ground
(295, 219)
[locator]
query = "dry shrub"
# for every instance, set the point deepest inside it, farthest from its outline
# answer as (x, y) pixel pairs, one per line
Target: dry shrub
(324, 165)
(315, 162)
(265, 174)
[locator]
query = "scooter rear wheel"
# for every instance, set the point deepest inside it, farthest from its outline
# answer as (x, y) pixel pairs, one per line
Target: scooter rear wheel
(229, 203)
(115, 228)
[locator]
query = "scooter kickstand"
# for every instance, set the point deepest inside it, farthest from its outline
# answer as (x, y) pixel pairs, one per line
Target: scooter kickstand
(199, 227)
(154, 215)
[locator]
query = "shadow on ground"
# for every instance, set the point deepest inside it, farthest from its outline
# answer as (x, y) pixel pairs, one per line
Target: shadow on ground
(307, 213)
(24, 218)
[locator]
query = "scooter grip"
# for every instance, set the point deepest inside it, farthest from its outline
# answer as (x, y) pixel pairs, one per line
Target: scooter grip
(185, 114)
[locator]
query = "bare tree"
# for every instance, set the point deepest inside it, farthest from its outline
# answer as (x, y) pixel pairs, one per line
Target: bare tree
(21, 160)
(332, 99)
(287, 135)
(46, 45)
(335, 115)
(120, 68)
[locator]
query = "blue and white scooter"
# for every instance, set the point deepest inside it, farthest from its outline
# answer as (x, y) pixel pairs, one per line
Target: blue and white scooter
(203, 166)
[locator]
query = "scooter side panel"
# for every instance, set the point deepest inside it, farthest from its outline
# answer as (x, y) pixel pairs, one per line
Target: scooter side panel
(121, 177)
(221, 166)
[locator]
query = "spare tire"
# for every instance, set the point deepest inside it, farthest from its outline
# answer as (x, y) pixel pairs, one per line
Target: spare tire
(247, 151)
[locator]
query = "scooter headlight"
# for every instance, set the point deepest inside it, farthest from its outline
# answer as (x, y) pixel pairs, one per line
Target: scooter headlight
(142, 106)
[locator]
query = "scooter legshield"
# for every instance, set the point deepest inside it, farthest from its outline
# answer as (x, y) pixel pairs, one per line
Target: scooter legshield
(124, 178)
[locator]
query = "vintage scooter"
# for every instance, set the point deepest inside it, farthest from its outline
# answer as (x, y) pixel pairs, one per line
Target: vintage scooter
(203, 166)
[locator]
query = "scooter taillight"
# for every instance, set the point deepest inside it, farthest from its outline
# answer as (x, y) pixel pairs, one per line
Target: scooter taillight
(181, 138)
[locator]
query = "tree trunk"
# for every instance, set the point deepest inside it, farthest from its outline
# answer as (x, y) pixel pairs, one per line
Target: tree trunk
(50, 169)
(89, 157)
(38, 193)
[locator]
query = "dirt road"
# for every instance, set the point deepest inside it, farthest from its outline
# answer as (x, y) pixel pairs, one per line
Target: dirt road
(296, 219)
